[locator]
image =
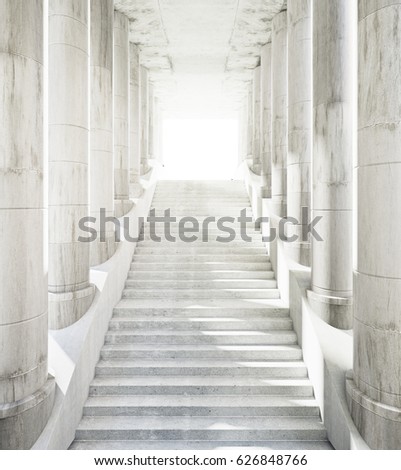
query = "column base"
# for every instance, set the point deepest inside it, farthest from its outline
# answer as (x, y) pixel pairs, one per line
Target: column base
(378, 424)
(22, 422)
(278, 207)
(122, 207)
(265, 192)
(299, 252)
(336, 311)
(136, 190)
(65, 308)
(257, 168)
(100, 251)
(145, 168)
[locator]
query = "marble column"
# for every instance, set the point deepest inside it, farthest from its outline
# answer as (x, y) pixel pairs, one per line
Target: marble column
(151, 134)
(157, 130)
(250, 122)
(70, 293)
(266, 119)
(299, 14)
(136, 189)
(334, 72)
(144, 137)
(256, 163)
(279, 114)
(26, 392)
(243, 137)
(374, 394)
(121, 78)
(101, 123)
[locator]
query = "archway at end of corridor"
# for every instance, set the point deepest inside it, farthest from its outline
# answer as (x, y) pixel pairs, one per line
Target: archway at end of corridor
(200, 149)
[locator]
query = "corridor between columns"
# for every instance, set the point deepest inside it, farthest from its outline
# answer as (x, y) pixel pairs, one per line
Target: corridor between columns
(276, 117)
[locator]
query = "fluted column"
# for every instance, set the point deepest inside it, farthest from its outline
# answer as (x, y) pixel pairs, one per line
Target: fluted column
(299, 124)
(101, 123)
(26, 393)
(134, 124)
(144, 96)
(266, 119)
(122, 203)
(279, 114)
(334, 71)
(256, 163)
(375, 394)
(70, 293)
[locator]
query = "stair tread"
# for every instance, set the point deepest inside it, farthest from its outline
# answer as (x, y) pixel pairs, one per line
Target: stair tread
(192, 319)
(142, 332)
(185, 362)
(256, 446)
(259, 401)
(195, 422)
(201, 347)
(199, 380)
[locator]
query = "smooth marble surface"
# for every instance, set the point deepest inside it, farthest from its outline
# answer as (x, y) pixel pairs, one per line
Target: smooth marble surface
(299, 121)
(334, 130)
(68, 160)
(144, 96)
(250, 121)
(256, 103)
(157, 129)
(375, 389)
(23, 226)
(134, 125)
(121, 77)
(243, 137)
(266, 119)
(279, 113)
(151, 136)
(101, 126)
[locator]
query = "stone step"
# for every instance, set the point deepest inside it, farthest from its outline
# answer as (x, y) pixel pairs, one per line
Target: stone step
(200, 428)
(192, 239)
(178, 405)
(234, 446)
(198, 224)
(201, 367)
(201, 350)
(200, 244)
(183, 194)
(200, 258)
(201, 213)
(196, 204)
(195, 323)
(201, 293)
(201, 275)
(215, 194)
(204, 386)
(134, 307)
(204, 306)
(186, 249)
(201, 266)
(202, 337)
(168, 351)
(202, 284)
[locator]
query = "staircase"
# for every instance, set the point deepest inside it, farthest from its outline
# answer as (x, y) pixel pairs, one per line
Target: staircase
(200, 352)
